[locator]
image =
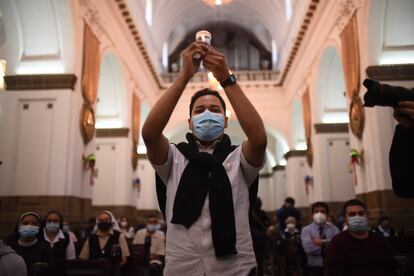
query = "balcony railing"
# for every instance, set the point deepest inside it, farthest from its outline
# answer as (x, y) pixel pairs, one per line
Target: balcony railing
(242, 76)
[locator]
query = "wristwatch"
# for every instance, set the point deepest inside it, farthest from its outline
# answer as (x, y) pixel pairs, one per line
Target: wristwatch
(229, 81)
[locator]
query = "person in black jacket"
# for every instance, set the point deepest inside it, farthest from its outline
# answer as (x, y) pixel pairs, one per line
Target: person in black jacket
(384, 228)
(26, 241)
(402, 151)
(60, 242)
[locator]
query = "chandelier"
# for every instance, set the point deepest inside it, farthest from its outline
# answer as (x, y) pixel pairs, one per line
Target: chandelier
(217, 2)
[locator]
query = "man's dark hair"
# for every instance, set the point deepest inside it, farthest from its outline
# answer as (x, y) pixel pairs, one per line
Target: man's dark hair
(290, 200)
(320, 204)
(205, 92)
(152, 215)
(353, 202)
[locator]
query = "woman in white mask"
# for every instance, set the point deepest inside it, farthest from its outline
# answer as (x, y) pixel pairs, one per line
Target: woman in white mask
(126, 228)
(26, 241)
(60, 242)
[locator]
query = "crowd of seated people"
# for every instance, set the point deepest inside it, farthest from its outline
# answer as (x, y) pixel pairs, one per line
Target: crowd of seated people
(287, 245)
(46, 245)
(336, 245)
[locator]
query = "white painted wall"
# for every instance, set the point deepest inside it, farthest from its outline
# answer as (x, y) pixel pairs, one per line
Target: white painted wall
(280, 179)
(296, 170)
(272, 190)
(329, 94)
(34, 145)
(113, 186)
(112, 109)
(147, 198)
(39, 36)
(332, 181)
(390, 35)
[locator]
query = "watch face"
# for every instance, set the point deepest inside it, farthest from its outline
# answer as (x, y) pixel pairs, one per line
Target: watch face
(232, 79)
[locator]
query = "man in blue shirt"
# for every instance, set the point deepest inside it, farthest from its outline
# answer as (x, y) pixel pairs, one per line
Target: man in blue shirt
(315, 238)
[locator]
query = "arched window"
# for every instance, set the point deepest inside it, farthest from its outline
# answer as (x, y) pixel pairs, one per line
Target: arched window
(148, 12)
(288, 8)
(111, 110)
(331, 100)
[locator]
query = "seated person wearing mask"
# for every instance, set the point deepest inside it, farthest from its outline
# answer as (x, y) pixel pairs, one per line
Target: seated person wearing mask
(384, 228)
(288, 210)
(291, 251)
(291, 231)
(27, 243)
(60, 242)
(154, 241)
(356, 251)
(315, 237)
(106, 235)
(66, 229)
(126, 228)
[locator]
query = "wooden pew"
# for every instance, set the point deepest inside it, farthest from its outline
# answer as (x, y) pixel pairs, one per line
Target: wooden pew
(101, 267)
(135, 265)
(403, 249)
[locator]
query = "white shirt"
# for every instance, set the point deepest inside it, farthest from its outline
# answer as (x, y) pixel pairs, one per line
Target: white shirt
(70, 249)
(190, 251)
(157, 241)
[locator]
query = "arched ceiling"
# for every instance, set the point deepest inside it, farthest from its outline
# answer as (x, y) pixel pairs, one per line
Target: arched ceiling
(173, 19)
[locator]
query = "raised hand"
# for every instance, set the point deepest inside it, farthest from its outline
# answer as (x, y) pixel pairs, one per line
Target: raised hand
(216, 63)
(404, 114)
(190, 64)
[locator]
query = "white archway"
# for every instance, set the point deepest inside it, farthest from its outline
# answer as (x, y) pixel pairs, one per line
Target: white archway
(390, 35)
(111, 109)
(330, 97)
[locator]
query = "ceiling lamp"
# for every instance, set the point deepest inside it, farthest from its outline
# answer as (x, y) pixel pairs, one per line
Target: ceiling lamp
(217, 2)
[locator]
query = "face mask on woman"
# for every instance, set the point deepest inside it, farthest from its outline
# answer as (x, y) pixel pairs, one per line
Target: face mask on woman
(66, 228)
(290, 226)
(28, 231)
(52, 227)
(358, 224)
(104, 225)
(153, 227)
(208, 126)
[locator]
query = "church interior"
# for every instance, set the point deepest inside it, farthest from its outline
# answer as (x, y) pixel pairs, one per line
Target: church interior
(78, 79)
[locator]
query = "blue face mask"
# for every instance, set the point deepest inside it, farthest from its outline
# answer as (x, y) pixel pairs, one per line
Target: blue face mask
(358, 224)
(153, 227)
(28, 231)
(208, 126)
(52, 227)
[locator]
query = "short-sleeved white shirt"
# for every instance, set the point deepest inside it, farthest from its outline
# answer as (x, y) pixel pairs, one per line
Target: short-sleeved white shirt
(190, 251)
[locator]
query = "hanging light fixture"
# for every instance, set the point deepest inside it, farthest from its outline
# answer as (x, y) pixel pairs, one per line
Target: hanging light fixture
(217, 2)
